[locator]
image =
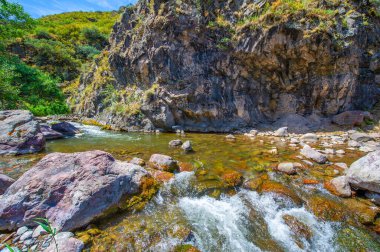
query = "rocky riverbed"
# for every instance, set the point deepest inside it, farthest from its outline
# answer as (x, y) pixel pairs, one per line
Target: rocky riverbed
(262, 190)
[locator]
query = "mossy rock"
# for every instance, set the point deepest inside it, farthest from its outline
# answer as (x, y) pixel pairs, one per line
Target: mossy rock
(232, 178)
(355, 239)
(278, 188)
(185, 248)
(327, 209)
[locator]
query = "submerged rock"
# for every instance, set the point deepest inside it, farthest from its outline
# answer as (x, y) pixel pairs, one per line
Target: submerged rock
(65, 128)
(5, 182)
(365, 173)
(163, 162)
(19, 133)
(69, 189)
(137, 161)
(309, 152)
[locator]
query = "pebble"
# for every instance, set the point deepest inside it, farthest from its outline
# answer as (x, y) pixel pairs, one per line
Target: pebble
(22, 230)
(38, 231)
(28, 234)
(340, 152)
(342, 165)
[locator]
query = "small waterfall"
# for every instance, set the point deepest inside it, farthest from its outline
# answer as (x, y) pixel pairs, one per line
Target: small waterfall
(227, 224)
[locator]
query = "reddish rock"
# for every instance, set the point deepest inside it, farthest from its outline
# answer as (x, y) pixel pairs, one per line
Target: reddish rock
(69, 189)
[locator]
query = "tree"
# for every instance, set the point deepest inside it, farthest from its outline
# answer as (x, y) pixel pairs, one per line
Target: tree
(14, 21)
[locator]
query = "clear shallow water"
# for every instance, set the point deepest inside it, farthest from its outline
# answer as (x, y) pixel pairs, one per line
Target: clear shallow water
(200, 209)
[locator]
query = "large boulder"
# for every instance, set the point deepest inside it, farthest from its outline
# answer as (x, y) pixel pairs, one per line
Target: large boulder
(65, 128)
(365, 173)
(49, 133)
(19, 133)
(5, 182)
(163, 163)
(65, 243)
(309, 152)
(70, 190)
(352, 118)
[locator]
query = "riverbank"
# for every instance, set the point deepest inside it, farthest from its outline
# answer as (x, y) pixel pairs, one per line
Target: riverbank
(236, 175)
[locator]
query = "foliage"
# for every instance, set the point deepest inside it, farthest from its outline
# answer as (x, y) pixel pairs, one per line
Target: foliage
(25, 87)
(13, 21)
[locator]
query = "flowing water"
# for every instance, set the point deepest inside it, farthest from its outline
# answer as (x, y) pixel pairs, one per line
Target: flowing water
(201, 207)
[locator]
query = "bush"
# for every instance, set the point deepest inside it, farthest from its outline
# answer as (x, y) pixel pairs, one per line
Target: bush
(94, 37)
(87, 52)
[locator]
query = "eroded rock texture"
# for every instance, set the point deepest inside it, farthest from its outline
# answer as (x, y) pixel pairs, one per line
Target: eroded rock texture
(223, 65)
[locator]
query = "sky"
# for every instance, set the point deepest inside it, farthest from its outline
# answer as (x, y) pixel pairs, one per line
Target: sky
(38, 8)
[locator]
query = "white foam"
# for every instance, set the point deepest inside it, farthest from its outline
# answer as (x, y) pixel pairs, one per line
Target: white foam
(222, 222)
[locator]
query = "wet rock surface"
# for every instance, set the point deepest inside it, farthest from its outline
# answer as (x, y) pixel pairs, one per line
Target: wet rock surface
(65, 128)
(5, 182)
(163, 162)
(49, 133)
(69, 189)
(19, 133)
(316, 156)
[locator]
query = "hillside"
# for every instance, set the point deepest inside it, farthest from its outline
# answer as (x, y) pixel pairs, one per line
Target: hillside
(220, 66)
(37, 57)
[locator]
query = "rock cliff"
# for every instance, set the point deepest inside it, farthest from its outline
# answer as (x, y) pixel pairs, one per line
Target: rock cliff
(222, 65)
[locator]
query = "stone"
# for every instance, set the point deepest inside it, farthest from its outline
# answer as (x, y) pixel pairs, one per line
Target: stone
(66, 243)
(353, 144)
(5, 182)
(163, 162)
(340, 152)
(351, 118)
(27, 235)
(22, 230)
(307, 162)
(287, 168)
(137, 161)
(281, 132)
(70, 190)
(294, 141)
(230, 137)
(175, 143)
(38, 231)
(49, 133)
(374, 197)
(309, 137)
(19, 133)
(187, 146)
(300, 229)
(361, 137)
(342, 165)
(329, 151)
(340, 186)
(310, 153)
(253, 132)
(65, 128)
(273, 151)
(365, 173)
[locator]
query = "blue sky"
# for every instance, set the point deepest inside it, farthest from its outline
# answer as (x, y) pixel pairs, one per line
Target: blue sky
(38, 8)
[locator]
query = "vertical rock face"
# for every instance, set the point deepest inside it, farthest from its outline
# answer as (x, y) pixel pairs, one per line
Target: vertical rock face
(210, 66)
(19, 133)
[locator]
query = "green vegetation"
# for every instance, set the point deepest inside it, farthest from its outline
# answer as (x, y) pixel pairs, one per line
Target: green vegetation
(46, 225)
(37, 55)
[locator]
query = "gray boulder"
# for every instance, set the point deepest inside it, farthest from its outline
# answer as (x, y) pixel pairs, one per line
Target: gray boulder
(5, 182)
(309, 152)
(365, 173)
(163, 162)
(19, 133)
(309, 137)
(351, 118)
(287, 168)
(175, 143)
(281, 132)
(65, 128)
(187, 146)
(69, 189)
(49, 133)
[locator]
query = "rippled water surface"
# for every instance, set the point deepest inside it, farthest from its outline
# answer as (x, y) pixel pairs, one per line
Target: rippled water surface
(201, 208)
